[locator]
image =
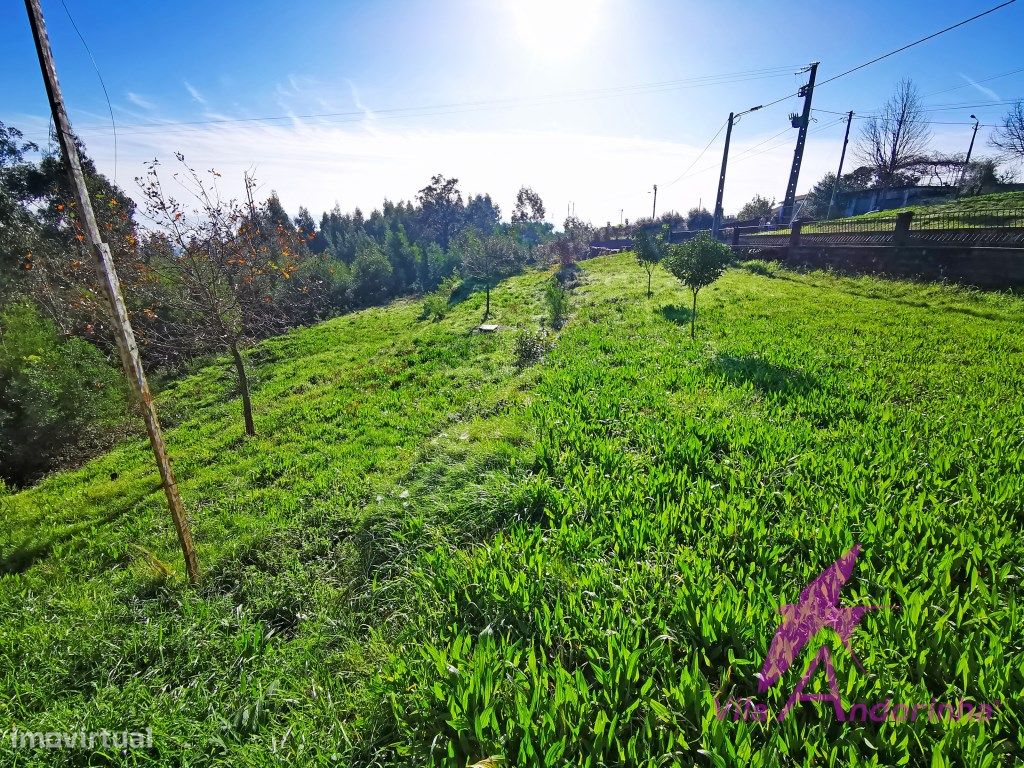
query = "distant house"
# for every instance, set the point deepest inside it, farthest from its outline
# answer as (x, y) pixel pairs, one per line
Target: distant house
(867, 200)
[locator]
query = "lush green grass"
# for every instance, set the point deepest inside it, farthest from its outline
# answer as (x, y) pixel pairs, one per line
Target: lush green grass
(881, 221)
(978, 204)
(431, 556)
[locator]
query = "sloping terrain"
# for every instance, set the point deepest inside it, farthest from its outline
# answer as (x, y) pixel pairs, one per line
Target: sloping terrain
(999, 201)
(430, 556)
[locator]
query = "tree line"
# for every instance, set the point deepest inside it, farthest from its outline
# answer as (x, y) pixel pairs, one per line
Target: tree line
(204, 275)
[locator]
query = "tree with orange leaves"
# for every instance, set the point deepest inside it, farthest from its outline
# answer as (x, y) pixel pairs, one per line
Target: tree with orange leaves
(223, 263)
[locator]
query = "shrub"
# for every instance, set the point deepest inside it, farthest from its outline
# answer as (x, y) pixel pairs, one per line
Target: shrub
(649, 249)
(557, 300)
(372, 276)
(698, 263)
(530, 347)
(761, 267)
(60, 400)
(435, 305)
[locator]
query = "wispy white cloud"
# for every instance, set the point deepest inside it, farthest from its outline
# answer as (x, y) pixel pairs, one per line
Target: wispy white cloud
(985, 91)
(194, 93)
(140, 101)
(367, 112)
(363, 158)
(316, 163)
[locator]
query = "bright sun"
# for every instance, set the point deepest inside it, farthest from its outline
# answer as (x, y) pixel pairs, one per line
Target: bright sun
(555, 28)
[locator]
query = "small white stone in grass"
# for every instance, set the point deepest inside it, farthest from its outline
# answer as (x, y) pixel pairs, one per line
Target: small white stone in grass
(464, 436)
(379, 498)
(404, 495)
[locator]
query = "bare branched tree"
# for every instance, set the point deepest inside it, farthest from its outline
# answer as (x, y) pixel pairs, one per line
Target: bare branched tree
(894, 141)
(938, 168)
(222, 263)
(1008, 137)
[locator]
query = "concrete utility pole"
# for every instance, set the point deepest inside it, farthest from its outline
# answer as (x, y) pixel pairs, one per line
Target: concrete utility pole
(807, 92)
(716, 220)
(654, 208)
(111, 287)
(970, 149)
(842, 157)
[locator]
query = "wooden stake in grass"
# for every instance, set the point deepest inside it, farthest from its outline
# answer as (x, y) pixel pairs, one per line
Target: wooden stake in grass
(111, 287)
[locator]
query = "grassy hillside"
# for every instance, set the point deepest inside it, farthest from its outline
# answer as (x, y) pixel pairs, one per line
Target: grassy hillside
(429, 556)
(979, 204)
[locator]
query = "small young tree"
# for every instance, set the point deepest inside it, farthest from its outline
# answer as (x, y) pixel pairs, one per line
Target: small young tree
(649, 249)
(487, 261)
(697, 264)
(222, 264)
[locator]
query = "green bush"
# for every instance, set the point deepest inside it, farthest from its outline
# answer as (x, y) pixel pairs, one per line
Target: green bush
(530, 347)
(557, 300)
(372, 276)
(60, 399)
(761, 267)
(435, 305)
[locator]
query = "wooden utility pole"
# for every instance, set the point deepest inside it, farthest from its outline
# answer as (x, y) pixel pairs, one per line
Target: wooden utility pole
(111, 287)
(654, 208)
(970, 149)
(807, 92)
(842, 158)
(716, 220)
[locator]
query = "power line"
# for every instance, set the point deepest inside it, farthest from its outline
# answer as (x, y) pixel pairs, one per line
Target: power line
(897, 50)
(787, 129)
(917, 42)
(746, 154)
(482, 105)
(979, 82)
(697, 159)
(867, 64)
(103, 85)
(883, 119)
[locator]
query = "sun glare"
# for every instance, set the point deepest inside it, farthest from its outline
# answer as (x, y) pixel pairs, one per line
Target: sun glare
(555, 28)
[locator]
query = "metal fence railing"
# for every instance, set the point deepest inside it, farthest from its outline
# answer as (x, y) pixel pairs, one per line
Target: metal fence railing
(983, 228)
(988, 219)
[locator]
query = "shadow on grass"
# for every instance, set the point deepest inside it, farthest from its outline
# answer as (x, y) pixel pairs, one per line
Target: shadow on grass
(936, 306)
(763, 376)
(26, 555)
(677, 314)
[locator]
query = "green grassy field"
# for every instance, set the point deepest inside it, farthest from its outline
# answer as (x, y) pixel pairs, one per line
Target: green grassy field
(429, 556)
(979, 204)
(971, 211)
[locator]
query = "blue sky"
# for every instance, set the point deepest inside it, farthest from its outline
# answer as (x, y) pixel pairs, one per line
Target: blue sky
(589, 101)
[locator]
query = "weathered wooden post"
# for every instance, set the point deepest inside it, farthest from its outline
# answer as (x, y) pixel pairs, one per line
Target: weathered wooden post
(119, 322)
(901, 236)
(794, 233)
(735, 235)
